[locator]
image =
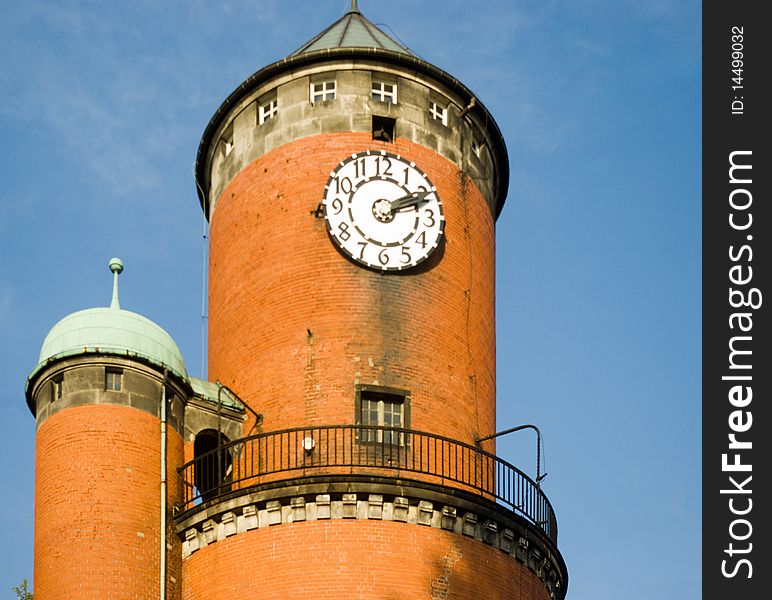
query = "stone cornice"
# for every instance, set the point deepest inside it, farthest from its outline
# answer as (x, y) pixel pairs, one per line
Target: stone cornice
(358, 499)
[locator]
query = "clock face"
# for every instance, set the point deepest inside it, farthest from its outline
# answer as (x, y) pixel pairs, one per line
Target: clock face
(383, 211)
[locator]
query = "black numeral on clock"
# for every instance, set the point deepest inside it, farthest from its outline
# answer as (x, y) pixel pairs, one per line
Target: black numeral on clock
(343, 232)
(387, 168)
(362, 249)
(343, 185)
(360, 168)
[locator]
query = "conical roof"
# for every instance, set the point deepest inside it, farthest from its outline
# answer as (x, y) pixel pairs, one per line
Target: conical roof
(351, 37)
(352, 30)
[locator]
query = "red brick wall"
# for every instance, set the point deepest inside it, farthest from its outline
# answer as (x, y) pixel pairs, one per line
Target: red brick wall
(97, 493)
(275, 275)
(376, 560)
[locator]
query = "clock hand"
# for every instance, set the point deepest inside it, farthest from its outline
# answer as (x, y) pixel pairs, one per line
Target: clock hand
(409, 200)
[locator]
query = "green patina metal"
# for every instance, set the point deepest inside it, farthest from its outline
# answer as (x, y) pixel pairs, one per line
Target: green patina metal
(353, 30)
(111, 331)
(209, 392)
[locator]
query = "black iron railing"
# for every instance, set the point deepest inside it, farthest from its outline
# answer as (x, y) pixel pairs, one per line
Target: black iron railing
(364, 450)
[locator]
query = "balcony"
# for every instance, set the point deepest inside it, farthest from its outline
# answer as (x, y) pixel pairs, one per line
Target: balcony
(386, 453)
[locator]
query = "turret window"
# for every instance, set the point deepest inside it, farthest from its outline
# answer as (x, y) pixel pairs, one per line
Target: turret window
(385, 92)
(322, 91)
(226, 142)
(58, 387)
(113, 380)
(438, 113)
(267, 110)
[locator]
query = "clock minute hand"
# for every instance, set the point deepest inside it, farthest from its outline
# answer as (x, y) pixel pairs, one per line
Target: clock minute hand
(409, 200)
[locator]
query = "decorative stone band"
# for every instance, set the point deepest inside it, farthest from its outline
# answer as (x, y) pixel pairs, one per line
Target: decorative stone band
(83, 383)
(490, 524)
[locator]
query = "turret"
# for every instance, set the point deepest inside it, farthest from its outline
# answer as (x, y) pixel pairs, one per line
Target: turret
(352, 190)
(108, 395)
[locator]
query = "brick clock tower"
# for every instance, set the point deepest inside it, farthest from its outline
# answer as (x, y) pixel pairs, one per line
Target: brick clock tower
(352, 191)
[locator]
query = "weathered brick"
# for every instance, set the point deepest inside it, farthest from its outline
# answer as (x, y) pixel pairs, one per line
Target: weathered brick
(356, 559)
(97, 522)
(275, 276)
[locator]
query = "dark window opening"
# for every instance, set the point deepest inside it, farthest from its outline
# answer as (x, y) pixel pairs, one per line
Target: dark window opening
(383, 128)
(213, 470)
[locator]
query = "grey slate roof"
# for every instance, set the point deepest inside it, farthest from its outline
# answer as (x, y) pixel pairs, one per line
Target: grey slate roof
(353, 30)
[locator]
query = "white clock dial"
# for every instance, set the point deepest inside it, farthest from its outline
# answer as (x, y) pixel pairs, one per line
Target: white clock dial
(382, 211)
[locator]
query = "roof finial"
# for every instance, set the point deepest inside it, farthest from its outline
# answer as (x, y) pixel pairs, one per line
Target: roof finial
(354, 8)
(116, 266)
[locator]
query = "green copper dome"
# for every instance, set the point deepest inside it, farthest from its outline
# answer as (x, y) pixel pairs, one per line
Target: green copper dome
(111, 331)
(353, 30)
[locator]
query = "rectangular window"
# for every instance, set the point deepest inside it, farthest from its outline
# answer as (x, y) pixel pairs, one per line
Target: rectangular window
(322, 91)
(113, 379)
(383, 128)
(226, 142)
(385, 407)
(385, 92)
(58, 389)
(268, 110)
(438, 113)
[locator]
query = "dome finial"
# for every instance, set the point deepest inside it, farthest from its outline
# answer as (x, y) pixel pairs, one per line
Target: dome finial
(354, 8)
(116, 266)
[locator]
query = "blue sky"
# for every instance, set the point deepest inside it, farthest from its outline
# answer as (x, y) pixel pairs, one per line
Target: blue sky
(598, 258)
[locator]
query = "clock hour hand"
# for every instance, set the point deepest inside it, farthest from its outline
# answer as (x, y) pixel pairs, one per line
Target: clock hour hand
(409, 200)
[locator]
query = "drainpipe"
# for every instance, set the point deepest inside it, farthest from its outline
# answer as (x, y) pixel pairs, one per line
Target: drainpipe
(163, 488)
